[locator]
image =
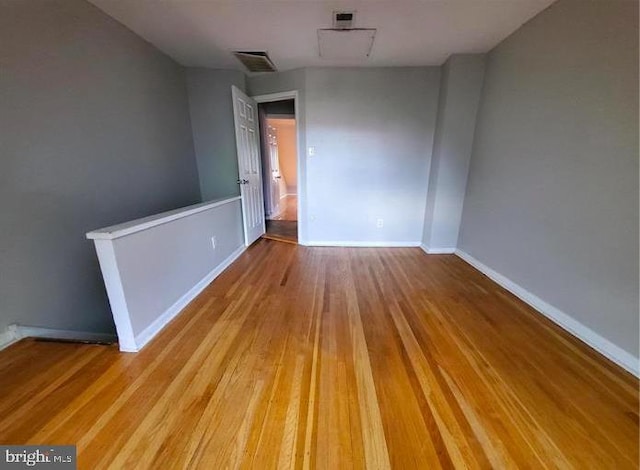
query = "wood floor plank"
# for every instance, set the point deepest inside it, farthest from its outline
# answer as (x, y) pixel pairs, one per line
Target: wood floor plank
(299, 357)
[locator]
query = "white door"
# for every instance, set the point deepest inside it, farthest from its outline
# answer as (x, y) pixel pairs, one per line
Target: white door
(272, 139)
(245, 113)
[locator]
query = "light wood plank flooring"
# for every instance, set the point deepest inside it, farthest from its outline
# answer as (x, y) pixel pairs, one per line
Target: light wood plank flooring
(290, 208)
(284, 227)
(332, 358)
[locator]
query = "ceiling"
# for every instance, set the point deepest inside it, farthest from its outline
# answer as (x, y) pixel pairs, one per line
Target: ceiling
(410, 32)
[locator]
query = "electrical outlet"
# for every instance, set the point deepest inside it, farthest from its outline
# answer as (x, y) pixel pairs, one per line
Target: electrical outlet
(380, 223)
(213, 242)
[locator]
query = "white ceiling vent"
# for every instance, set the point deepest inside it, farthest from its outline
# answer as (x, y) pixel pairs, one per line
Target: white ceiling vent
(346, 44)
(255, 61)
(344, 19)
(344, 41)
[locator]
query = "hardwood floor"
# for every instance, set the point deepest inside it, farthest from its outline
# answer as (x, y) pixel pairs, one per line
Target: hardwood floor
(284, 227)
(290, 210)
(282, 230)
(332, 358)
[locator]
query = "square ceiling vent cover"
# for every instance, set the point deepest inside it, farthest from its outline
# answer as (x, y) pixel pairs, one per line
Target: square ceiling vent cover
(255, 61)
(346, 43)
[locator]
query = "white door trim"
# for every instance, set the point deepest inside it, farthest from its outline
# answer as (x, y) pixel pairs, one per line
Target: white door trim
(270, 97)
(302, 182)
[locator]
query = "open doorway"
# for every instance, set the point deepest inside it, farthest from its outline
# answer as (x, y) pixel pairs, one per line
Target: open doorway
(278, 136)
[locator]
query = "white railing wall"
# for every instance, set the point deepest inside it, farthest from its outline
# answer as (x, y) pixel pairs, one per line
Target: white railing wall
(153, 267)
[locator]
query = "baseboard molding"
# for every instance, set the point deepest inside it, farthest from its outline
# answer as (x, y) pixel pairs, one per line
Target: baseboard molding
(37, 332)
(362, 244)
(154, 328)
(16, 332)
(565, 321)
(437, 251)
(9, 336)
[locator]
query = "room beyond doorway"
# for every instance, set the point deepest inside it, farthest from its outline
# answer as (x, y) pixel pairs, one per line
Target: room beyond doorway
(290, 209)
(280, 160)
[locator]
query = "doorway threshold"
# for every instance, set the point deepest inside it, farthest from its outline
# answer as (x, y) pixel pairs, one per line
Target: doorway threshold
(277, 238)
(282, 230)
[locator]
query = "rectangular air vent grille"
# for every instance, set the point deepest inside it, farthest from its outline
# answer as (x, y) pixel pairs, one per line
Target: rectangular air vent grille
(255, 61)
(344, 19)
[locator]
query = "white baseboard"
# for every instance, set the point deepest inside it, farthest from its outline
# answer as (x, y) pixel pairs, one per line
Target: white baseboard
(37, 332)
(16, 332)
(577, 329)
(362, 244)
(154, 328)
(437, 251)
(9, 336)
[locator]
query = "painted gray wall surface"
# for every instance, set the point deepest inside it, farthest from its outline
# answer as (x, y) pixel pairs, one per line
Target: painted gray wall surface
(280, 82)
(94, 130)
(158, 266)
(214, 138)
(460, 89)
(372, 130)
(552, 197)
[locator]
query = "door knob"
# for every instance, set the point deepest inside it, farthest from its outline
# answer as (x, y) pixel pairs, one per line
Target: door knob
(242, 181)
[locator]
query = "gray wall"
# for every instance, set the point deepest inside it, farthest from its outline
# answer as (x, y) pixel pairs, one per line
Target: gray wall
(372, 130)
(214, 137)
(159, 265)
(552, 197)
(94, 130)
(460, 88)
(266, 83)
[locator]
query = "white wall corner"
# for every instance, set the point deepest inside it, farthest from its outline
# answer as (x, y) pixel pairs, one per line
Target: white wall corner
(115, 292)
(605, 347)
(9, 336)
